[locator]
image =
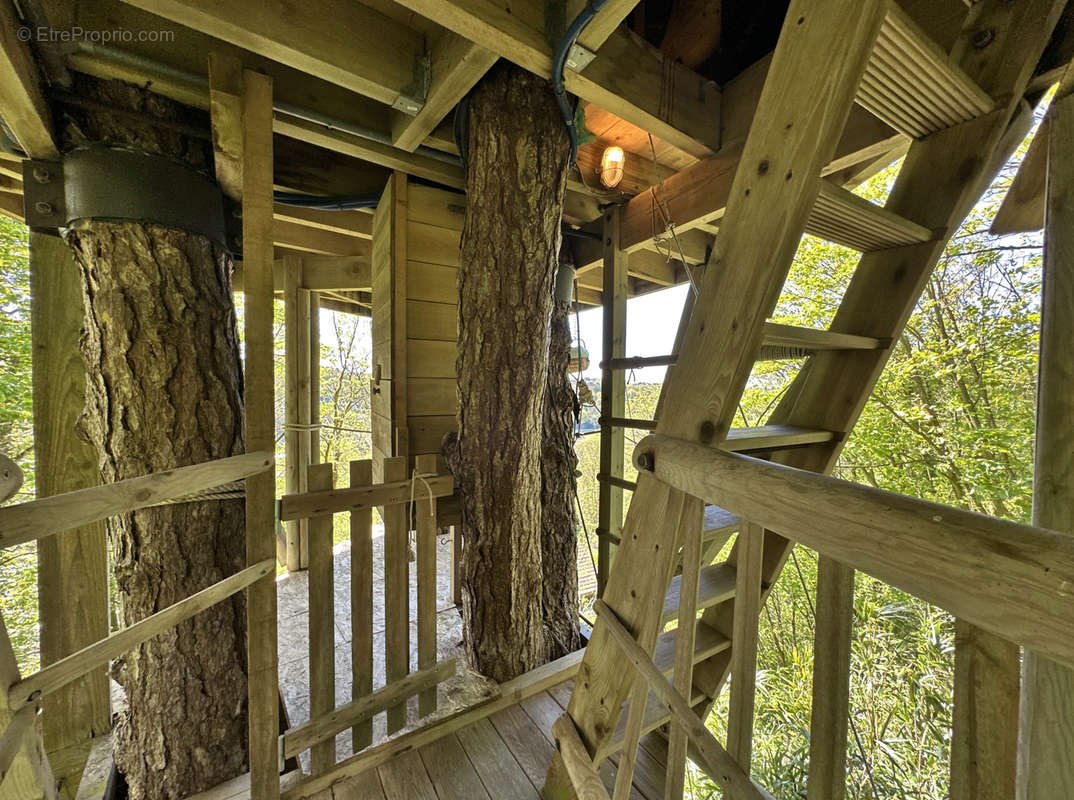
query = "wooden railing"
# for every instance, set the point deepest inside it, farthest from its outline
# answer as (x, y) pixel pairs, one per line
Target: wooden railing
(1011, 579)
(20, 698)
(394, 497)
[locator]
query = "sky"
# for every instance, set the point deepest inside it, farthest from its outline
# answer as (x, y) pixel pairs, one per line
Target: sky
(652, 320)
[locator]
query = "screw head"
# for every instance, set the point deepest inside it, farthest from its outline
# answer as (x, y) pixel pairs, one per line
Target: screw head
(982, 38)
(42, 207)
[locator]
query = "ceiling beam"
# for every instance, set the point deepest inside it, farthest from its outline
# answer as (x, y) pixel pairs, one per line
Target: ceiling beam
(349, 44)
(629, 77)
(456, 65)
(22, 105)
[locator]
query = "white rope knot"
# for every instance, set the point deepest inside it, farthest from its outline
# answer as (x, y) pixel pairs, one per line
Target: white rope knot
(416, 476)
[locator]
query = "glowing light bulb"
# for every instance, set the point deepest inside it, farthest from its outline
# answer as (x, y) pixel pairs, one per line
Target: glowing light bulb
(611, 166)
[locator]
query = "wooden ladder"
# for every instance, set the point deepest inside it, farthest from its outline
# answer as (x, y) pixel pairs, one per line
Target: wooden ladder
(831, 53)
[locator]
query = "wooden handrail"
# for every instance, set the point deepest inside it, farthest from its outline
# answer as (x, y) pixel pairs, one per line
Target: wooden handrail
(37, 519)
(334, 501)
(304, 736)
(100, 653)
(1012, 579)
(580, 768)
(717, 762)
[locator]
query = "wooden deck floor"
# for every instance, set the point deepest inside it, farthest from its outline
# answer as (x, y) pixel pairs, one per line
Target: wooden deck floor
(502, 757)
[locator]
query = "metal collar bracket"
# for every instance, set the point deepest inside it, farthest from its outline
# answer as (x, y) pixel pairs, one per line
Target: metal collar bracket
(114, 184)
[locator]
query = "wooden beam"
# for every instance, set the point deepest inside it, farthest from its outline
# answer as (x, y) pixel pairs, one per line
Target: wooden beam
(1045, 756)
(263, 674)
(318, 241)
(336, 501)
(748, 555)
(1003, 576)
(37, 519)
(354, 45)
(629, 77)
(318, 273)
(73, 568)
(456, 65)
(583, 772)
(22, 104)
(101, 653)
(432, 169)
(356, 223)
(225, 114)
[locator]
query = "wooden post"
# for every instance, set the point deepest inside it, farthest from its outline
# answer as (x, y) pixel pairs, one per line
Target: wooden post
(612, 395)
(425, 512)
(296, 307)
(749, 563)
(24, 767)
(73, 568)
(321, 620)
(396, 589)
(260, 432)
(315, 377)
(1046, 757)
(362, 603)
(691, 524)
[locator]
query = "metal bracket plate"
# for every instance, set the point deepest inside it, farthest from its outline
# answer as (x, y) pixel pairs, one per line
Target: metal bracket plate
(412, 97)
(578, 57)
(110, 183)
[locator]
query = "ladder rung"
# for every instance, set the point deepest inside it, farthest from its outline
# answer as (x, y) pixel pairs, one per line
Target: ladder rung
(911, 84)
(707, 642)
(626, 422)
(773, 437)
(844, 218)
(622, 483)
(715, 584)
(637, 362)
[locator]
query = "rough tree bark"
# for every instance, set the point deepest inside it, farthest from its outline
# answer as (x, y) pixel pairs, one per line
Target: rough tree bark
(515, 181)
(559, 537)
(164, 390)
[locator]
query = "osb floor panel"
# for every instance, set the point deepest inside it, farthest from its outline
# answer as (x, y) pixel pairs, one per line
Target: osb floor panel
(502, 757)
(465, 689)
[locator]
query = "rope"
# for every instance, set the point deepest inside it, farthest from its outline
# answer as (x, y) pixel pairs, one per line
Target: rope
(660, 204)
(416, 476)
(236, 490)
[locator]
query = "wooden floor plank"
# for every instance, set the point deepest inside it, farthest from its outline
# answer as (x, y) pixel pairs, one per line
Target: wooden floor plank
(405, 778)
(501, 774)
(544, 711)
(526, 742)
(450, 770)
(361, 787)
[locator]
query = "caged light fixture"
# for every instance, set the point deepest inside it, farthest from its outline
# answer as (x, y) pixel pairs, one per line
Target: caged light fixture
(611, 166)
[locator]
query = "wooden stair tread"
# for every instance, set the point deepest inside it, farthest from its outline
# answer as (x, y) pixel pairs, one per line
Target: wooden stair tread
(814, 339)
(656, 714)
(842, 217)
(707, 642)
(716, 584)
(910, 83)
(718, 520)
(771, 437)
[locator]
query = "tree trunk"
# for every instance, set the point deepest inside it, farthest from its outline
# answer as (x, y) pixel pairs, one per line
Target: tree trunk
(515, 182)
(559, 538)
(164, 390)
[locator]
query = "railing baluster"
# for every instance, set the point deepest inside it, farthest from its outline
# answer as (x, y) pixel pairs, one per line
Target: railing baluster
(425, 511)
(361, 602)
(321, 619)
(396, 590)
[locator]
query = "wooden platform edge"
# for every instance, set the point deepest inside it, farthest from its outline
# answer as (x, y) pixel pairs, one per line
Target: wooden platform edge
(511, 693)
